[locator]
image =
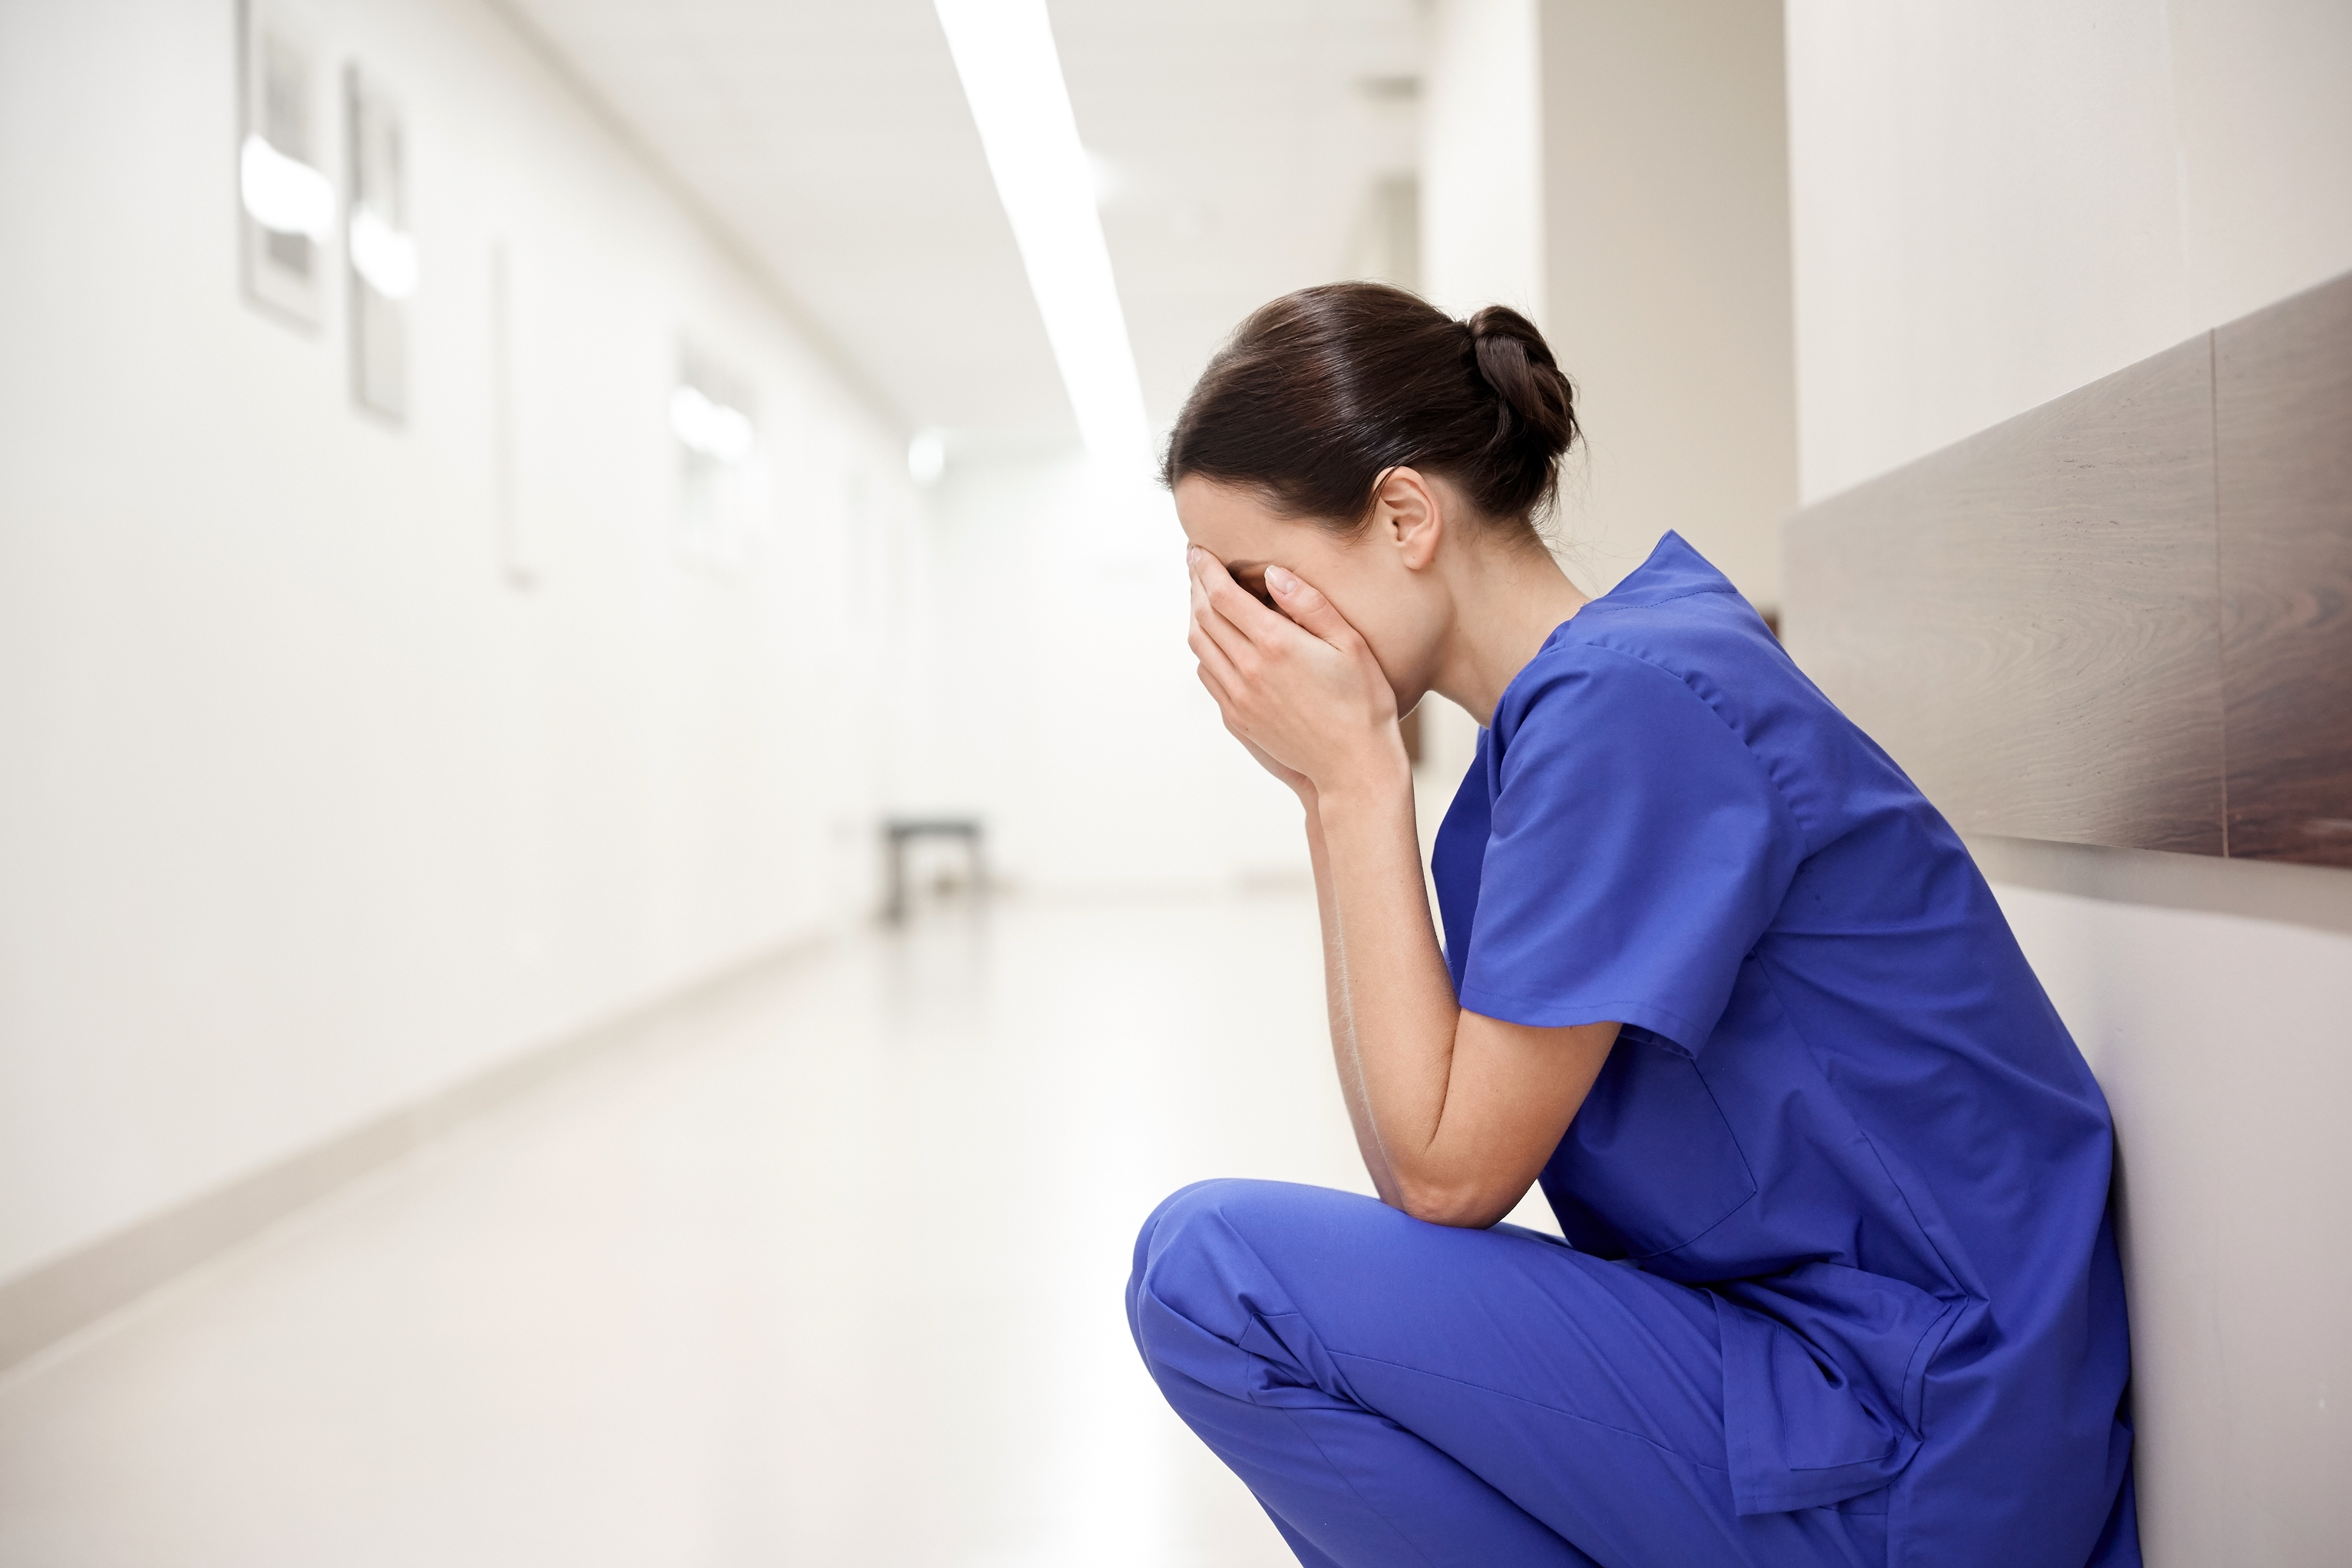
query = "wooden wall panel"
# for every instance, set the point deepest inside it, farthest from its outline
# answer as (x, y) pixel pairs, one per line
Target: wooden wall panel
(2282, 439)
(2124, 617)
(2025, 621)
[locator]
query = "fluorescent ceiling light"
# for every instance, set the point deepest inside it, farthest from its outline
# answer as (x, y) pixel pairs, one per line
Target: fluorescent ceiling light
(285, 195)
(1004, 50)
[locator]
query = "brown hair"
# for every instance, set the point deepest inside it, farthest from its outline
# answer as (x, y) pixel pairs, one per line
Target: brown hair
(1321, 392)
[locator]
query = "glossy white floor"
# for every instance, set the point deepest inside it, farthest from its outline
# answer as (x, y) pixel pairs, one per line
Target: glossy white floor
(826, 1271)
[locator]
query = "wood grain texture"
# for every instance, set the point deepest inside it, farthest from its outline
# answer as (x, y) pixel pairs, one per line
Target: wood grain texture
(2027, 620)
(2283, 438)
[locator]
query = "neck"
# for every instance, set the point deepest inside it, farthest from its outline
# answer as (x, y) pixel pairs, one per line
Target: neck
(1506, 602)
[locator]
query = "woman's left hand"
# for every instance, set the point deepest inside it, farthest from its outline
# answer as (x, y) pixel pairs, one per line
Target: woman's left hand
(1301, 686)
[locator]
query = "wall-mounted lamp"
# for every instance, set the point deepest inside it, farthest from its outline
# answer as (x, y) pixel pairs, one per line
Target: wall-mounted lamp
(723, 517)
(383, 256)
(285, 195)
(382, 252)
(287, 206)
(708, 428)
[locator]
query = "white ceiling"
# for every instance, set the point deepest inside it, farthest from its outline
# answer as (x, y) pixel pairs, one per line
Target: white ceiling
(1239, 143)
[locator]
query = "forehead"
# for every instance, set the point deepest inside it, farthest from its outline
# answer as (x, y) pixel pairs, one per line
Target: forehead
(1223, 518)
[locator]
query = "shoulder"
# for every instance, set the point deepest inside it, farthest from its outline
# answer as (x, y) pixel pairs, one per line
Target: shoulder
(1691, 623)
(1684, 673)
(1595, 720)
(1604, 695)
(1626, 660)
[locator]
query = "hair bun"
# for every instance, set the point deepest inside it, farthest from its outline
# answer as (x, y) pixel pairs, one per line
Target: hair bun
(1536, 403)
(1321, 392)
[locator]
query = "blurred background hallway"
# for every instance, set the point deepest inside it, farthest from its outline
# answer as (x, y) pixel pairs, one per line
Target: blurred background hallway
(508, 506)
(824, 1266)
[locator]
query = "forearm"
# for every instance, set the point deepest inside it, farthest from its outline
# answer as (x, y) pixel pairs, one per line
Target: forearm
(1335, 1001)
(1394, 1017)
(1455, 1113)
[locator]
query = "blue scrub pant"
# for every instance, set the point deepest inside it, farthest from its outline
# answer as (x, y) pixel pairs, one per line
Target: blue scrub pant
(1399, 1393)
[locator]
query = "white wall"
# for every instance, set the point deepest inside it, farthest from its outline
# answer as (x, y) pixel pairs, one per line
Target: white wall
(1994, 203)
(1667, 220)
(2212, 999)
(308, 812)
(1057, 699)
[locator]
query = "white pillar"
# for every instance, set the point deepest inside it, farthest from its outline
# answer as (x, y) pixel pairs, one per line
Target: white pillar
(1482, 158)
(1482, 233)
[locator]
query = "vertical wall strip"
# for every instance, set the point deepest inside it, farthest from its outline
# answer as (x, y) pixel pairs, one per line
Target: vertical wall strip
(516, 559)
(2221, 601)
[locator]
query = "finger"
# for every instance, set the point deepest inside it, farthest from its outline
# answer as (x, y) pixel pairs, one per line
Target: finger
(1205, 616)
(1214, 660)
(1232, 639)
(1225, 714)
(1218, 694)
(1306, 604)
(1214, 690)
(1241, 607)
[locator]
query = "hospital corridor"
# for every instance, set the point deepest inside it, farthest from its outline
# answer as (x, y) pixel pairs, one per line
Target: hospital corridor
(813, 1269)
(737, 735)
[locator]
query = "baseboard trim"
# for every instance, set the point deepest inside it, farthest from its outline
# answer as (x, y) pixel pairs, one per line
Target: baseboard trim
(60, 1298)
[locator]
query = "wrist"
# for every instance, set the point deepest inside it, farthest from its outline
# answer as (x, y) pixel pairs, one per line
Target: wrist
(1377, 792)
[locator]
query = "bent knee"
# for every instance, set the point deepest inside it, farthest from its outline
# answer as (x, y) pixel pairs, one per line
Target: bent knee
(1196, 1268)
(1177, 1225)
(1214, 1253)
(1214, 1215)
(1186, 1205)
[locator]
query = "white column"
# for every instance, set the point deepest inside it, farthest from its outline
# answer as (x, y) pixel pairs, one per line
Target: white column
(1482, 233)
(1482, 158)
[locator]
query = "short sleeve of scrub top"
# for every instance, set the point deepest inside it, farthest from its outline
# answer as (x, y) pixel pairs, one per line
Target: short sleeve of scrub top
(1636, 851)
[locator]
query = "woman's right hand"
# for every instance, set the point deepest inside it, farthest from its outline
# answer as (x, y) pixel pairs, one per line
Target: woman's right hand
(1296, 782)
(1300, 784)
(1295, 682)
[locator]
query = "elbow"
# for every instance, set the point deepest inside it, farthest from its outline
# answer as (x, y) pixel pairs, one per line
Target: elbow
(1462, 1204)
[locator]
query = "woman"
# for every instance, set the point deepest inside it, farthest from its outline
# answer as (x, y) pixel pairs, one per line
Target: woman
(1839, 1285)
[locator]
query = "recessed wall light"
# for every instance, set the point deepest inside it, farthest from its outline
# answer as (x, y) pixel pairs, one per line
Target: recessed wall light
(927, 457)
(383, 255)
(1108, 180)
(285, 203)
(285, 195)
(710, 428)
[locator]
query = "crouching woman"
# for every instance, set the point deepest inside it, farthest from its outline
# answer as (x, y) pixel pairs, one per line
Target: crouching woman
(1839, 1285)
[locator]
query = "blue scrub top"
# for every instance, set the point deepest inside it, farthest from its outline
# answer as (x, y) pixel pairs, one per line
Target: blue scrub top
(1840, 1101)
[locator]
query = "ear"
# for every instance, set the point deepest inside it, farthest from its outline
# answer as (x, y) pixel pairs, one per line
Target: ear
(1410, 513)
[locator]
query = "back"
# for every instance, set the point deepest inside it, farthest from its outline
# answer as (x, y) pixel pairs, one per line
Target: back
(1841, 1101)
